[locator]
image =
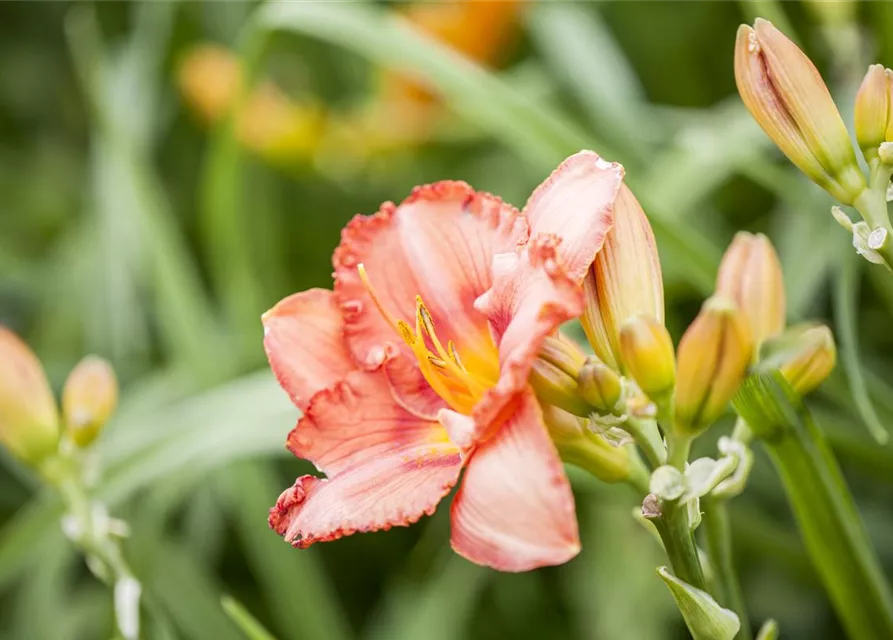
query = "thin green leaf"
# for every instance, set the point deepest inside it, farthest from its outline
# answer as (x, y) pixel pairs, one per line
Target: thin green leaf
(252, 629)
(280, 571)
(846, 293)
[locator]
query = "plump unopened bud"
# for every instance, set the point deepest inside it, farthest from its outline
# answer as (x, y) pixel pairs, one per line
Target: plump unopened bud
(784, 92)
(599, 386)
(579, 446)
(625, 280)
(805, 355)
(713, 357)
(89, 398)
(648, 353)
(750, 275)
(554, 375)
(874, 111)
(29, 421)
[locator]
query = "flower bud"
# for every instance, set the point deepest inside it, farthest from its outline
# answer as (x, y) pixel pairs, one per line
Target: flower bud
(750, 275)
(599, 386)
(805, 356)
(624, 280)
(647, 350)
(714, 355)
(29, 421)
(579, 446)
(554, 375)
(874, 118)
(89, 398)
(788, 98)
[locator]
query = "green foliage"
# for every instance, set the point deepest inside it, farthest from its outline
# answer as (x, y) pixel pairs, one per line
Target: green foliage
(131, 231)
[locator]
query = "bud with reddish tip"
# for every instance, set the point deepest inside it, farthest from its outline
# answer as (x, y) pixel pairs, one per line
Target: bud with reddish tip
(784, 92)
(89, 398)
(874, 111)
(713, 357)
(647, 350)
(29, 421)
(805, 355)
(624, 281)
(750, 275)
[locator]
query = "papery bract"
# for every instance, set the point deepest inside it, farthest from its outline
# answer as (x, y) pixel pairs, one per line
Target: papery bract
(417, 367)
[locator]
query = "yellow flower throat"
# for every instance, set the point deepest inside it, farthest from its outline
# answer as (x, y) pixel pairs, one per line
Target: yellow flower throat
(442, 367)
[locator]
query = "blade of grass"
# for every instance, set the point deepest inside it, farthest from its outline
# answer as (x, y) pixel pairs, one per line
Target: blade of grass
(846, 292)
(250, 489)
(252, 629)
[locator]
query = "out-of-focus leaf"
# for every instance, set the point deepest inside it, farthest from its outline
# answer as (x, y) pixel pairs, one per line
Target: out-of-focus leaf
(845, 308)
(249, 625)
(582, 51)
(281, 571)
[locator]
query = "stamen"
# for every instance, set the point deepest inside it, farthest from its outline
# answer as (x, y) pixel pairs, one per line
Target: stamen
(451, 348)
(361, 269)
(437, 362)
(406, 333)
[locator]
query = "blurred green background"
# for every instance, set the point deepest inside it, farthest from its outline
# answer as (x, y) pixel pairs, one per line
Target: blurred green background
(146, 219)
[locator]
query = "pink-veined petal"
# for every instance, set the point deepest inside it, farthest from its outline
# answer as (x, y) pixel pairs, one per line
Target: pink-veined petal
(385, 466)
(576, 203)
(514, 510)
(304, 341)
(438, 244)
(530, 298)
(410, 388)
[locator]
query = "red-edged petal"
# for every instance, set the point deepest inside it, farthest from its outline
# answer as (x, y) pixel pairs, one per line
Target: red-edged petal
(385, 466)
(304, 341)
(530, 298)
(514, 510)
(576, 203)
(438, 244)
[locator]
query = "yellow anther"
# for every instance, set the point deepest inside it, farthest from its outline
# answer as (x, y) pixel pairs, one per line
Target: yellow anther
(405, 333)
(437, 362)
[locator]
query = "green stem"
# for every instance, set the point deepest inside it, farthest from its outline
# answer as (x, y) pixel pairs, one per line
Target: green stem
(66, 472)
(719, 547)
(647, 437)
(833, 531)
(674, 530)
(680, 447)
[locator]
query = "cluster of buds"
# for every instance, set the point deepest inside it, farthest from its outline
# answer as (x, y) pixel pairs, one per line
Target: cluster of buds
(30, 425)
(784, 92)
(637, 373)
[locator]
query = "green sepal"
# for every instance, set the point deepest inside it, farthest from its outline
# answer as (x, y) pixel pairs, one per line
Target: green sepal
(705, 619)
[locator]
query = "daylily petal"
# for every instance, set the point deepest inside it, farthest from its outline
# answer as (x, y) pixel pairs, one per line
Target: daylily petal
(530, 298)
(385, 466)
(514, 510)
(438, 244)
(410, 388)
(304, 341)
(576, 203)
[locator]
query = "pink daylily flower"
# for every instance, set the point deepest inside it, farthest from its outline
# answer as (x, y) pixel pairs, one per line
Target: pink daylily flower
(415, 367)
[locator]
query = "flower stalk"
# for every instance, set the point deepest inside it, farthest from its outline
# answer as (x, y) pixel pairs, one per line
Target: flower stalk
(715, 516)
(826, 515)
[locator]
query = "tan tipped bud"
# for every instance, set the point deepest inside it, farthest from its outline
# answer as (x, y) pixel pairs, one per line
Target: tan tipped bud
(648, 353)
(579, 446)
(874, 112)
(750, 275)
(209, 77)
(805, 356)
(29, 421)
(554, 375)
(784, 92)
(713, 358)
(624, 281)
(89, 399)
(599, 386)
